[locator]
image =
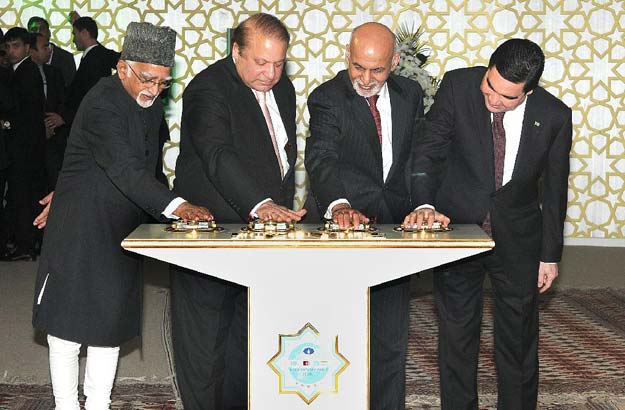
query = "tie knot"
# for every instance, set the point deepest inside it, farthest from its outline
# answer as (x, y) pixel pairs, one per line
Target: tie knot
(373, 100)
(498, 117)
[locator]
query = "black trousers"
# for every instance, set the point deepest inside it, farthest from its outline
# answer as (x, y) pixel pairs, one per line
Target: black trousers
(25, 188)
(458, 291)
(389, 311)
(209, 336)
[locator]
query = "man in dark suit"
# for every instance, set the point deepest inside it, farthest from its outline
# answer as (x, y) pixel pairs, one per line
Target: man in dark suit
(26, 144)
(88, 290)
(97, 61)
(6, 106)
(54, 91)
(59, 58)
(508, 173)
(363, 127)
(237, 157)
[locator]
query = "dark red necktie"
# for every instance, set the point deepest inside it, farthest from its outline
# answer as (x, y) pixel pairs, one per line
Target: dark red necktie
(499, 150)
(499, 147)
(376, 114)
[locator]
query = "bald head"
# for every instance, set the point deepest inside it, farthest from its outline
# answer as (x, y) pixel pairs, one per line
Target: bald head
(373, 39)
(371, 57)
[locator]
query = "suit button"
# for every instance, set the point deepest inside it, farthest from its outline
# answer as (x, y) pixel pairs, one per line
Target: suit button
(147, 152)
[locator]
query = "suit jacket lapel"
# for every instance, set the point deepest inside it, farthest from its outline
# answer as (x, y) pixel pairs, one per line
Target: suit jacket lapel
(363, 120)
(291, 147)
(257, 117)
(399, 112)
(484, 137)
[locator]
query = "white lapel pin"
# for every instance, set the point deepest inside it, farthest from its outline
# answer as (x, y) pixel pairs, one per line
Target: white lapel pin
(536, 124)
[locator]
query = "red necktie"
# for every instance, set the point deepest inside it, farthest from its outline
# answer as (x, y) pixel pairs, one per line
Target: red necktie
(499, 150)
(262, 99)
(376, 114)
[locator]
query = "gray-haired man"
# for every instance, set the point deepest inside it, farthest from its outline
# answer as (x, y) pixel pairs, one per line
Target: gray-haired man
(88, 289)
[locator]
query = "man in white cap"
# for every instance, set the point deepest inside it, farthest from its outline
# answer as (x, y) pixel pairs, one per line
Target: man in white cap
(88, 289)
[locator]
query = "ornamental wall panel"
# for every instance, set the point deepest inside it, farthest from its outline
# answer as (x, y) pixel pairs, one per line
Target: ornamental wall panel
(583, 41)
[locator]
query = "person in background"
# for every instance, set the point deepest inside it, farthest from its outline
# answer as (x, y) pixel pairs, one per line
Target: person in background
(26, 145)
(96, 62)
(59, 58)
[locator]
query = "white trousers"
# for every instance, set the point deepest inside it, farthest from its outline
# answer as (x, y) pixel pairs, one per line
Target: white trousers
(100, 372)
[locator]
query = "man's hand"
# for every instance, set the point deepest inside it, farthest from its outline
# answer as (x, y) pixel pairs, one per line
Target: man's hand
(347, 217)
(41, 219)
(49, 132)
(270, 211)
(53, 120)
(427, 215)
(193, 212)
(547, 272)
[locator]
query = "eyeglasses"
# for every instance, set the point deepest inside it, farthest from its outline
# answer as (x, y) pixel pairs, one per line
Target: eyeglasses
(151, 83)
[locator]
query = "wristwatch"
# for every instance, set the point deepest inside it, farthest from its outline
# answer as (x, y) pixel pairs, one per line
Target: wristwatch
(5, 124)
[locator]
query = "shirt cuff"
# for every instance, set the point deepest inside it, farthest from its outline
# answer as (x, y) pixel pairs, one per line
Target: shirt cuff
(173, 205)
(253, 211)
(328, 214)
(425, 206)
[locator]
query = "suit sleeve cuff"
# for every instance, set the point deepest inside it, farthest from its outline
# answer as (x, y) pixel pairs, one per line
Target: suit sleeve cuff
(253, 213)
(328, 214)
(425, 206)
(173, 205)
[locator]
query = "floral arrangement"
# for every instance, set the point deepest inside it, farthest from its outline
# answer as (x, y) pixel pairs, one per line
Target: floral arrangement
(413, 57)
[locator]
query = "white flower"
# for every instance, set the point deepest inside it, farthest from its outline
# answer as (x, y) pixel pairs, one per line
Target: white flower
(411, 62)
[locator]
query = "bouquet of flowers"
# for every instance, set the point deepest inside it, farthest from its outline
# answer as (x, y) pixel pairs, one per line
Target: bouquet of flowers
(413, 57)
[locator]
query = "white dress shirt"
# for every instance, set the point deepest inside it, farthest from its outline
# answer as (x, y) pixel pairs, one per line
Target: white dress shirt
(512, 123)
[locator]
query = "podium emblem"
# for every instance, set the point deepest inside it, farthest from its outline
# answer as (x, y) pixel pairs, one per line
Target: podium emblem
(308, 365)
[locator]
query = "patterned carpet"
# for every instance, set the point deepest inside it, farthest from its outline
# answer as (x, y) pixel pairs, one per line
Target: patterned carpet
(582, 360)
(582, 352)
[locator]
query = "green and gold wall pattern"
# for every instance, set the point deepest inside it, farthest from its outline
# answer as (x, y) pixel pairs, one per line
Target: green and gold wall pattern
(584, 42)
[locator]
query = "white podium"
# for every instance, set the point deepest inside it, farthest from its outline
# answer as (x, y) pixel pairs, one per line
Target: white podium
(308, 307)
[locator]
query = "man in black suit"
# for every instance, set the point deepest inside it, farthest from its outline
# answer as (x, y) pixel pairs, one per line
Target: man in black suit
(88, 289)
(97, 61)
(59, 58)
(508, 173)
(363, 127)
(237, 157)
(54, 90)
(26, 144)
(6, 106)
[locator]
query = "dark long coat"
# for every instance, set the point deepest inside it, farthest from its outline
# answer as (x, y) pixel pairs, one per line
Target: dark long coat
(92, 287)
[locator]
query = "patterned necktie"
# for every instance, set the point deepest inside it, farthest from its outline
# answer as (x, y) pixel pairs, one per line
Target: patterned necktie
(262, 100)
(376, 114)
(499, 150)
(499, 147)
